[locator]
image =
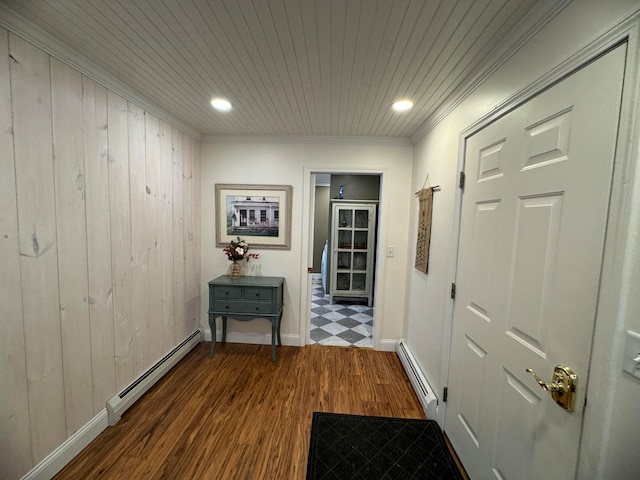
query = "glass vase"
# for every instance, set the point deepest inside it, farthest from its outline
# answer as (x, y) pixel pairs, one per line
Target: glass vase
(234, 271)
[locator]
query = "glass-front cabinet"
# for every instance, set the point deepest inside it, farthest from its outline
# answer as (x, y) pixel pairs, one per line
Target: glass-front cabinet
(352, 241)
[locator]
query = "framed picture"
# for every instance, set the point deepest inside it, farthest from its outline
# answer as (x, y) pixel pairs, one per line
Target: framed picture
(259, 214)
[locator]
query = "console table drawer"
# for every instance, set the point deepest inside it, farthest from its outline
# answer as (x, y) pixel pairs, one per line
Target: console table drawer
(256, 308)
(227, 292)
(257, 293)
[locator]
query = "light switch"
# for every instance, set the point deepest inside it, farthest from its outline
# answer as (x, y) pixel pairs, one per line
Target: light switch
(631, 362)
(391, 252)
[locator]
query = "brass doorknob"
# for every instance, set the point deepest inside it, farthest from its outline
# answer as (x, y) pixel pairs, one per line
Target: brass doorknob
(563, 387)
(550, 387)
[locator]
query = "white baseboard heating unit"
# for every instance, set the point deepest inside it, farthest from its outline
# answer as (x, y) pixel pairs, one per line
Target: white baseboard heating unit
(117, 405)
(423, 390)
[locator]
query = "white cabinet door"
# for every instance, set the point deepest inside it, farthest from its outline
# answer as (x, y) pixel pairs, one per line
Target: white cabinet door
(534, 214)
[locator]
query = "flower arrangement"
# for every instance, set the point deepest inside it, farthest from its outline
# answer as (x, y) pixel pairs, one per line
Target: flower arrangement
(239, 250)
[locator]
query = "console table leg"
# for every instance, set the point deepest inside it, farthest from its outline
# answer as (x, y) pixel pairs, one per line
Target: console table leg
(273, 339)
(279, 323)
(224, 329)
(212, 327)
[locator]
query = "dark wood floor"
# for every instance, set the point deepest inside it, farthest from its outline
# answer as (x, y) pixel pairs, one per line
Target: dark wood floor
(241, 416)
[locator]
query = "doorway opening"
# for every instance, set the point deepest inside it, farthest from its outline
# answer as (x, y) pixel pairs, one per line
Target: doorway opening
(344, 246)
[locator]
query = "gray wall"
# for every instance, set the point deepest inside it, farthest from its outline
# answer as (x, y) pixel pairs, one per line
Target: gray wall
(320, 225)
(356, 187)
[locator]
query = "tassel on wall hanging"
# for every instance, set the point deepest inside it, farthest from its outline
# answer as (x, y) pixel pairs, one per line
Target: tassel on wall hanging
(425, 197)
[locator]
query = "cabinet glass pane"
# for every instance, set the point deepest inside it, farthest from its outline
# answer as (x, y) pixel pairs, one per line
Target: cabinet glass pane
(344, 239)
(359, 281)
(344, 260)
(362, 219)
(342, 281)
(344, 218)
(360, 240)
(360, 261)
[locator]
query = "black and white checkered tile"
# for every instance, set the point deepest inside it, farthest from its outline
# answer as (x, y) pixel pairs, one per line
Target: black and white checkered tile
(342, 323)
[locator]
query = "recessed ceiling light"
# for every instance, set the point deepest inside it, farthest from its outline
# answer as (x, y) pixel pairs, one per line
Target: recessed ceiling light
(221, 104)
(402, 105)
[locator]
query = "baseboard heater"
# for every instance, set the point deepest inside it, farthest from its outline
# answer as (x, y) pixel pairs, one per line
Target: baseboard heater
(423, 390)
(117, 405)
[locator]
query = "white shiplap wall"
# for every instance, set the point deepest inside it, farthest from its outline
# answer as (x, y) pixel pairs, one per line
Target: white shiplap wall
(99, 248)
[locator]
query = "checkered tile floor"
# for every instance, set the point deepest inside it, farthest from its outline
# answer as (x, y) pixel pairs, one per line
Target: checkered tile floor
(342, 324)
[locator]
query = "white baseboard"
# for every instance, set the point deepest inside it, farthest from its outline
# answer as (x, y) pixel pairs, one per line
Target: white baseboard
(56, 460)
(387, 345)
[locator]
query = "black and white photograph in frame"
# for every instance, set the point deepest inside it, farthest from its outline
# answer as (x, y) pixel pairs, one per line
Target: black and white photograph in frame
(260, 214)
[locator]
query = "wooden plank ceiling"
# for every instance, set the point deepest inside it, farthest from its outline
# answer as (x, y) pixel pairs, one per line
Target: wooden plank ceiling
(289, 67)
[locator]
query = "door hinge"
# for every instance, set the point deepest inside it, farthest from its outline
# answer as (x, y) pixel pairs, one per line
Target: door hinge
(462, 180)
(445, 394)
(453, 290)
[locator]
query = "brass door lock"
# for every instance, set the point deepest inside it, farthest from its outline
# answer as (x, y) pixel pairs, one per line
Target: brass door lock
(563, 387)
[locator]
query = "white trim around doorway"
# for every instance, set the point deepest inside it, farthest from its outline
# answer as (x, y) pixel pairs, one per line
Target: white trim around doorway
(307, 251)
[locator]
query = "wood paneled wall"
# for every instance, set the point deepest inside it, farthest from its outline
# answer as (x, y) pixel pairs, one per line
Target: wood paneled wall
(99, 248)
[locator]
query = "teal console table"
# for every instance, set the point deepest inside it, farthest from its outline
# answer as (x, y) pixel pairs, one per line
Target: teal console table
(246, 298)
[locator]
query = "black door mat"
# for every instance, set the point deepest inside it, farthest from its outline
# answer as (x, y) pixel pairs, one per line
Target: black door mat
(361, 447)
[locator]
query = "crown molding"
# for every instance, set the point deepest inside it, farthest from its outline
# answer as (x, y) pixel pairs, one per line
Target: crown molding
(309, 139)
(531, 25)
(23, 28)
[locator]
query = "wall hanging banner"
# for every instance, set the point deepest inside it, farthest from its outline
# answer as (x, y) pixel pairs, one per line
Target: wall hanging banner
(425, 196)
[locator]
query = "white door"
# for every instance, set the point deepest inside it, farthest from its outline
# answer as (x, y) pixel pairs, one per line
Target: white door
(534, 213)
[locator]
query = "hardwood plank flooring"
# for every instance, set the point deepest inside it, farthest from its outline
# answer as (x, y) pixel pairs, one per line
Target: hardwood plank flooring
(241, 416)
